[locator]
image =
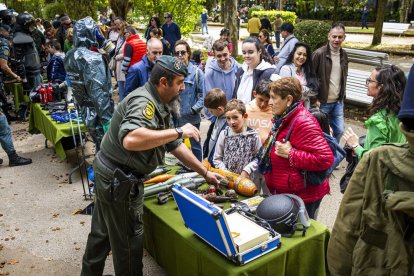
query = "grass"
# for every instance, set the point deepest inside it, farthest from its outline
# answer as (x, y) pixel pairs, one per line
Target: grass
(381, 48)
(358, 30)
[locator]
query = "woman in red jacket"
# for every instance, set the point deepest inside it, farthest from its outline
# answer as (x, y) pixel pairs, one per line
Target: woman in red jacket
(282, 161)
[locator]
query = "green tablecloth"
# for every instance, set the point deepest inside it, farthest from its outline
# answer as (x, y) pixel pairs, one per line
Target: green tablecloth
(17, 90)
(53, 131)
(181, 252)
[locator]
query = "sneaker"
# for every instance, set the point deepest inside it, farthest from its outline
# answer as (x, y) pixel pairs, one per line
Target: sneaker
(19, 161)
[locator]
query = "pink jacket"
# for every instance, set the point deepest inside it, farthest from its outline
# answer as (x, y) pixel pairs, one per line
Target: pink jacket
(310, 152)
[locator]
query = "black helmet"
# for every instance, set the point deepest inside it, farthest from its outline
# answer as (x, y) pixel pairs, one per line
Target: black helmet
(25, 20)
(7, 17)
(281, 212)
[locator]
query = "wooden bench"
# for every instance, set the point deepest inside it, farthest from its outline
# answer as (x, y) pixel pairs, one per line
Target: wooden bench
(356, 92)
(367, 57)
(395, 28)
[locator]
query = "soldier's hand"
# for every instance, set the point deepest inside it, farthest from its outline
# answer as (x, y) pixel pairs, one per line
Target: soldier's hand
(190, 131)
(18, 78)
(213, 178)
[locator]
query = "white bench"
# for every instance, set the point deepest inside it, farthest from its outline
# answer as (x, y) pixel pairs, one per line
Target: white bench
(356, 92)
(396, 28)
(367, 57)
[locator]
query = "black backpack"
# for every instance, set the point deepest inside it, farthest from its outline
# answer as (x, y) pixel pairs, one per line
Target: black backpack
(318, 177)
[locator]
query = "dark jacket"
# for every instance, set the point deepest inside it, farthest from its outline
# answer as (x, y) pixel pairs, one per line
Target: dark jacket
(266, 24)
(138, 75)
(56, 68)
(171, 33)
(322, 63)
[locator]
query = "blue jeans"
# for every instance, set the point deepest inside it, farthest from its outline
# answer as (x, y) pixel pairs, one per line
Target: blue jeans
(204, 25)
(336, 117)
(121, 90)
(277, 36)
(196, 146)
(5, 135)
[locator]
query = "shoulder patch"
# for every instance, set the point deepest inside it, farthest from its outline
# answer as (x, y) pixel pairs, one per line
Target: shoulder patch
(6, 52)
(149, 110)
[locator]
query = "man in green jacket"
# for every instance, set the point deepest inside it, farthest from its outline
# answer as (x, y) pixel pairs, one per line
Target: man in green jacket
(374, 229)
(139, 135)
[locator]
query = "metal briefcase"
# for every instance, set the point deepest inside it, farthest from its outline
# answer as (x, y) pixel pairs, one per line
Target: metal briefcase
(234, 235)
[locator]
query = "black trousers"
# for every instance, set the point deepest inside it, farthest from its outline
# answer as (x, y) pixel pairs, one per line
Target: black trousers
(116, 226)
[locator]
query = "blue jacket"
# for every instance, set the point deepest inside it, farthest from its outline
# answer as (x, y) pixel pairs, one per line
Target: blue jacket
(171, 33)
(56, 68)
(138, 75)
(192, 98)
(204, 17)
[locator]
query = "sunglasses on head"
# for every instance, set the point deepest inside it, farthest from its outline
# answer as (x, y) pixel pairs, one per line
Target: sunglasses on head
(180, 53)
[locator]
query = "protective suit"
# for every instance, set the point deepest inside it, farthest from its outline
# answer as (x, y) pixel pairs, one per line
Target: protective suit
(90, 78)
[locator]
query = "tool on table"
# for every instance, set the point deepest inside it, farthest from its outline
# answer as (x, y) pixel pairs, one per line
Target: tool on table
(190, 183)
(163, 197)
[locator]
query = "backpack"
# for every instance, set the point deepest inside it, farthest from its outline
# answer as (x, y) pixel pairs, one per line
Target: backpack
(318, 177)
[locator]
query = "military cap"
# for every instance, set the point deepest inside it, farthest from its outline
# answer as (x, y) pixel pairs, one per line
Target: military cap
(172, 64)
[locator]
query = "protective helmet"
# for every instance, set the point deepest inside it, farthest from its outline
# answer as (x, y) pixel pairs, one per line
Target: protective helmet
(26, 21)
(7, 17)
(281, 212)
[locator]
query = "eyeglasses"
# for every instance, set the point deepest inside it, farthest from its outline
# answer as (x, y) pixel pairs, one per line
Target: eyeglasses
(67, 24)
(155, 53)
(180, 53)
(368, 80)
(222, 55)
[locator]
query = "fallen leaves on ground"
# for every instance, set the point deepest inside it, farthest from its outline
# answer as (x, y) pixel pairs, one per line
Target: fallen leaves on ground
(77, 211)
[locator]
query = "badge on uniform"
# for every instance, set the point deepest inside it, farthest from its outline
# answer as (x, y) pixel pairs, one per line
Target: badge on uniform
(149, 110)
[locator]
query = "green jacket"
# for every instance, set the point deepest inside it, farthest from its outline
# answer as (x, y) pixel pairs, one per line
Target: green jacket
(368, 235)
(381, 129)
(141, 108)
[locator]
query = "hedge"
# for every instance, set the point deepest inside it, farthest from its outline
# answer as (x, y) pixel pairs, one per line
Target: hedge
(287, 16)
(50, 10)
(312, 32)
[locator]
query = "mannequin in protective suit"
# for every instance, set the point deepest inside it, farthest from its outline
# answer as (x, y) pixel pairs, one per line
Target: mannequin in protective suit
(24, 49)
(90, 78)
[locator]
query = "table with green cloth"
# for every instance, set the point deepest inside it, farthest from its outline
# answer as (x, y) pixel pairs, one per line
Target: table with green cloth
(39, 121)
(180, 252)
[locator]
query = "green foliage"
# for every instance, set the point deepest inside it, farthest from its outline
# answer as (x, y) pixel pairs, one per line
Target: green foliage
(254, 9)
(50, 10)
(34, 7)
(185, 12)
(287, 16)
(312, 32)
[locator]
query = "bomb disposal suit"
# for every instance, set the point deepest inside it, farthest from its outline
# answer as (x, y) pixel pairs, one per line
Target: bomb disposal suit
(90, 78)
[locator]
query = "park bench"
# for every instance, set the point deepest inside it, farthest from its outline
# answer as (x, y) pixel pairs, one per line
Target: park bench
(356, 91)
(395, 28)
(367, 57)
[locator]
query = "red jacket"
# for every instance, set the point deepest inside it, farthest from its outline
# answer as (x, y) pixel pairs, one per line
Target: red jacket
(139, 48)
(310, 152)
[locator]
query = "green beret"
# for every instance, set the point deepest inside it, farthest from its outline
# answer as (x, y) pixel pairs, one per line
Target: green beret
(172, 64)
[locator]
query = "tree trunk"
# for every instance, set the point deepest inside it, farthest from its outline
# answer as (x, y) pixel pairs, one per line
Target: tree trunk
(404, 11)
(232, 23)
(335, 11)
(78, 9)
(120, 7)
(376, 39)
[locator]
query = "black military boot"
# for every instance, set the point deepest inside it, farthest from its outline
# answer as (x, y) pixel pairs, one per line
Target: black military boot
(15, 160)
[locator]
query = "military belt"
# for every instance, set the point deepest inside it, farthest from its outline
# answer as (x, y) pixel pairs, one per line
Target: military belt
(112, 165)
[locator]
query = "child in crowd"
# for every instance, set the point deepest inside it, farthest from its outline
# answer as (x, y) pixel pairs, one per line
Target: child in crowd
(56, 67)
(259, 110)
(215, 101)
(237, 145)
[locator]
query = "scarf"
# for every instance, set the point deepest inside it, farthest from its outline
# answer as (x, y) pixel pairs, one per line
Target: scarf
(264, 153)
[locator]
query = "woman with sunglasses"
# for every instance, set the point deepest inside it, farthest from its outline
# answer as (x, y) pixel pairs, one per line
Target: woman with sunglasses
(299, 65)
(154, 23)
(264, 38)
(386, 85)
(256, 67)
(192, 99)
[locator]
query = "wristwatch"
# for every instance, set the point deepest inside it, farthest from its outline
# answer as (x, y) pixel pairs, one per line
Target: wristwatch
(180, 132)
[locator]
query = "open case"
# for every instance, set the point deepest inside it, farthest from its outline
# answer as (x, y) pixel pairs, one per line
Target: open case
(234, 234)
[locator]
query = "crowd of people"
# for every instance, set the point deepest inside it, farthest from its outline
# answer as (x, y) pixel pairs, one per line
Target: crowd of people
(262, 112)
